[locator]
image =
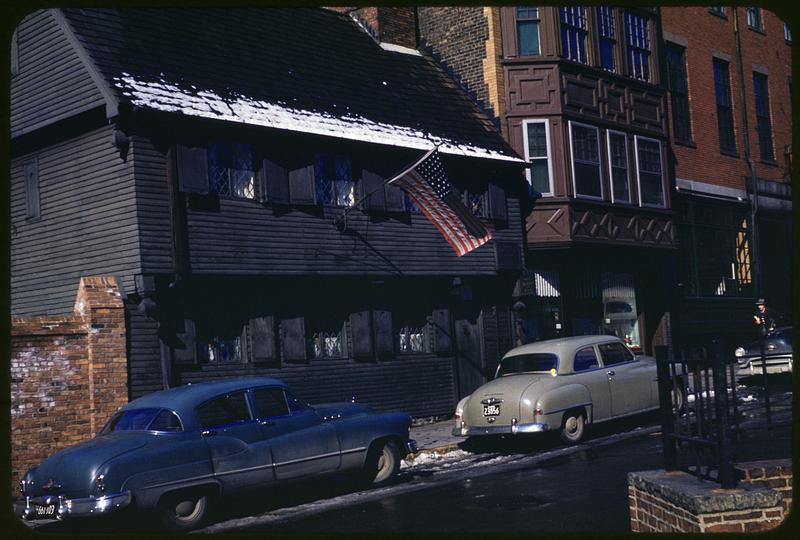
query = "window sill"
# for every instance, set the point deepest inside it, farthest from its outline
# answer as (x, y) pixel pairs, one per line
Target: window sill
(768, 162)
(729, 153)
(717, 14)
(689, 144)
(757, 30)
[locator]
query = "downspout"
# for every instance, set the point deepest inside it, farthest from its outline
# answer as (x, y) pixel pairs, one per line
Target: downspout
(753, 192)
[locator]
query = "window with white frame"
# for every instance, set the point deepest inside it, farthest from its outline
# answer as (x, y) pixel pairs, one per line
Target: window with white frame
(649, 172)
(787, 33)
(536, 137)
(637, 32)
(618, 166)
(573, 33)
(585, 150)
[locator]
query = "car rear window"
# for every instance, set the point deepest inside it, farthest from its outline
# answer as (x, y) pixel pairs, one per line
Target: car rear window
(528, 363)
(153, 419)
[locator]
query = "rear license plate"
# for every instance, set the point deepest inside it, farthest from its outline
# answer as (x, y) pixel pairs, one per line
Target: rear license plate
(44, 510)
(491, 410)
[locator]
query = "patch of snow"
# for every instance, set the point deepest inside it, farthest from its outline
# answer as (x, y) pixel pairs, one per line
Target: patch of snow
(168, 97)
(400, 49)
(748, 397)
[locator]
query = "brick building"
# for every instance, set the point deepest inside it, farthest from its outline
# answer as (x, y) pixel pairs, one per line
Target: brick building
(579, 92)
(729, 75)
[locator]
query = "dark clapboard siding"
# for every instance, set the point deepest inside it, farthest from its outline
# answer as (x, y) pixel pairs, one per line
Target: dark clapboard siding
(87, 226)
(144, 353)
(52, 83)
(246, 237)
(419, 385)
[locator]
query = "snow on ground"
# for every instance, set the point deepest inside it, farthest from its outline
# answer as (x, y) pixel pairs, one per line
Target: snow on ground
(169, 97)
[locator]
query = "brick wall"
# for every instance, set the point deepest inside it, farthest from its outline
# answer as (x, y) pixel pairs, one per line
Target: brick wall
(662, 501)
(68, 374)
(703, 33)
(774, 474)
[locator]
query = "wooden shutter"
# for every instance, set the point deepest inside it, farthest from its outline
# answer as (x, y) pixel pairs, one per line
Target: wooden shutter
(371, 189)
(442, 341)
(294, 339)
(185, 349)
(262, 339)
(384, 334)
(276, 182)
(301, 184)
(362, 334)
(497, 203)
(192, 169)
(32, 190)
(395, 199)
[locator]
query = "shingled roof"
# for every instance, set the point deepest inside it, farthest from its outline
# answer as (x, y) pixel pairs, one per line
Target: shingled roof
(308, 70)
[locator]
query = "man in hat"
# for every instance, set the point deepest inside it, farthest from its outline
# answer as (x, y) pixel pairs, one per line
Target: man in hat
(764, 316)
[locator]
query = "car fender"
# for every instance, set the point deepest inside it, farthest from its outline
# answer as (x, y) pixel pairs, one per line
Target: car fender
(556, 401)
(358, 433)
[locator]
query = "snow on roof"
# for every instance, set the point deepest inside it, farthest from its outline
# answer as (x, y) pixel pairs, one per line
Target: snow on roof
(400, 49)
(165, 96)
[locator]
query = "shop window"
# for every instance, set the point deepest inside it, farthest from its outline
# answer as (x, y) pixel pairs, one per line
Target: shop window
(722, 90)
(230, 167)
(585, 148)
(637, 33)
(528, 30)
(573, 33)
(649, 171)
(333, 178)
(536, 135)
(679, 92)
(608, 37)
(620, 317)
(618, 166)
(763, 123)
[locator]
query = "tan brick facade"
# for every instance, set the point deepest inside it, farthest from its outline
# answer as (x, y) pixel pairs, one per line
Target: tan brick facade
(68, 374)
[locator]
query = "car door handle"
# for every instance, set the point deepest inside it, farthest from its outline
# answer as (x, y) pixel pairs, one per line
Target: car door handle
(208, 433)
(610, 373)
(266, 422)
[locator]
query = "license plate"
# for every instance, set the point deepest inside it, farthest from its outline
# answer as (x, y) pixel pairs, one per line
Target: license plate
(491, 410)
(44, 510)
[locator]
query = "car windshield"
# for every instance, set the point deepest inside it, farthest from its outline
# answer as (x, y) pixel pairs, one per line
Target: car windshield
(143, 419)
(528, 363)
(783, 333)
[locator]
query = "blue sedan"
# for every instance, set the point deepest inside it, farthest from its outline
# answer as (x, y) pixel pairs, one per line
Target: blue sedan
(176, 451)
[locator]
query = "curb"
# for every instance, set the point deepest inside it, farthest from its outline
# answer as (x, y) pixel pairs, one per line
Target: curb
(435, 450)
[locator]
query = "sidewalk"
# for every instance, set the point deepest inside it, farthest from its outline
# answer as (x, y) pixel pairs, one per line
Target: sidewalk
(435, 437)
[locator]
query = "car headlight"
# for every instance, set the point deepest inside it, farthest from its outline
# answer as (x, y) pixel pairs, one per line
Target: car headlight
(739, 352)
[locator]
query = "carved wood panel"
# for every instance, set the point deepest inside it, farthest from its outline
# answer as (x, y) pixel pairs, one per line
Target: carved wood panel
(581, 94)
(548, 224)
(606, 225)
(532, 89)
(647, 110)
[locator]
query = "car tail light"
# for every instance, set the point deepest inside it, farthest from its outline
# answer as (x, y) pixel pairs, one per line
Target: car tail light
(537, 411)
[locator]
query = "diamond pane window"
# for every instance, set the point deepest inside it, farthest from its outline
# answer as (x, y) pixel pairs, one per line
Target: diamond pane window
(536, 152)
(411, 339)
(573, 33)
(607, 31)
(410, 330)
(231, 170)
(763, 123)
(585, 161)
(651, 179)
(477, 204)
(528, 30)
(333, 178)
(637, 32)
(325, 338)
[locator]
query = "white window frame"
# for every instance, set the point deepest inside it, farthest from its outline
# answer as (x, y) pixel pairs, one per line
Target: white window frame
(599, 163)
(636, 139)
(624, 135)
(546, 123)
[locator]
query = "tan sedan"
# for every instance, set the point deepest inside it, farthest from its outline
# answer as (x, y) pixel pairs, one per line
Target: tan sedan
(561, 384)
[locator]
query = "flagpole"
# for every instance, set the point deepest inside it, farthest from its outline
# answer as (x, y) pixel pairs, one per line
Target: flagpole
(340, 222)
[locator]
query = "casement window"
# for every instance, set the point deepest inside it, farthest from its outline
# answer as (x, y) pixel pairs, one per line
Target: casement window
(722, 90)
(411, 331)
(573, 33)
(528, 30)
(638, 45)
(488, 203)
(754, 18)
(536, 138)
(325, 337)
(763, 123)
(231, 171)
(219, 342)
(333, 178)
(606, 27)
(32, 195)
(787, 33)
(618, 166)
(585, 150)
(649, 172)
(679, 91)
(719, 11)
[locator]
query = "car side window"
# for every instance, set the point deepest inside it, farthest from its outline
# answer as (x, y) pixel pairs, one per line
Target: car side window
(223, 410)
(269, 402)
(585, 359)
(166, 421)
(615, 353)
(294, 403)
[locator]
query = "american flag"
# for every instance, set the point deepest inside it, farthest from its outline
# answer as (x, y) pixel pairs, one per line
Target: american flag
(426, 183)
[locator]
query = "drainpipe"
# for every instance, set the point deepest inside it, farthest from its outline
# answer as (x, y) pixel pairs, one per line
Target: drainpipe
(753, 195)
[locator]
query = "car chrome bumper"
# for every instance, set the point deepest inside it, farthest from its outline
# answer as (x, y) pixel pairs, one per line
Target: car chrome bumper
(753, 366)
(512, 429)
(63, 507)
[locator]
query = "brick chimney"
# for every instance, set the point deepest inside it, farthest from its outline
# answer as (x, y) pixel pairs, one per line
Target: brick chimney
(395, 25)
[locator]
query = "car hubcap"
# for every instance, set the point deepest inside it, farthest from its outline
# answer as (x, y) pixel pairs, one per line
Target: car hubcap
(187, 510)
(572, 425)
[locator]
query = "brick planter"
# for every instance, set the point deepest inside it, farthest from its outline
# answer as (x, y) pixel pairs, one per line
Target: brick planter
(678, 502)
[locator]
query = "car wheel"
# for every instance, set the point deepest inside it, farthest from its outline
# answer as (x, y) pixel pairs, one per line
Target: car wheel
(383, 462)
(573, 426)
(183, 511)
